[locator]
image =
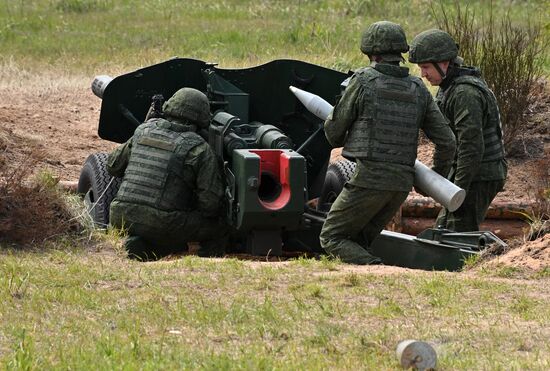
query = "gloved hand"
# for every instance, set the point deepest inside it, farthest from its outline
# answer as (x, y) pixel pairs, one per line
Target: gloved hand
(420, 192)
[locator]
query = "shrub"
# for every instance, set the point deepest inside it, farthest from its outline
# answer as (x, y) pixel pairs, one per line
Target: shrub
(511, 57)
(31, 211)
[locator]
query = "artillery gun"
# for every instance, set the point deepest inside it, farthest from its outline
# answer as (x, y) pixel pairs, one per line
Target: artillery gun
(274, 154)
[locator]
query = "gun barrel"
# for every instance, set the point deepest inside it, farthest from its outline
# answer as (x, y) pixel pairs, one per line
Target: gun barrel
(99, 84)
(437, 187)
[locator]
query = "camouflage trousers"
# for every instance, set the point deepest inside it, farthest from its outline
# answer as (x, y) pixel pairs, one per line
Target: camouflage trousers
(355, 219)
(156, 233)
(472, 212)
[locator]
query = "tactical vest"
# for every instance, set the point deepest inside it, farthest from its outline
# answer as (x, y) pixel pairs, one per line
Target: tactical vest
(155, 172)
(492, 128)
(387, 128)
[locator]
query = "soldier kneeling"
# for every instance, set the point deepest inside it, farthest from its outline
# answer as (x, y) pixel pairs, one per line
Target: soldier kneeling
(172, 189)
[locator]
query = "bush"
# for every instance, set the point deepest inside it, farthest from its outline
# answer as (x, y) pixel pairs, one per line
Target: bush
(511, 57)
(31, 211)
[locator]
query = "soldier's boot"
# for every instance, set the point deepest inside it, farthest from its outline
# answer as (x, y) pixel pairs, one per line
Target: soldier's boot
(369, 259)
(359, 257)
(139, 249)
(217, 246)
(363, 240)
(212, 248)
(350, 252)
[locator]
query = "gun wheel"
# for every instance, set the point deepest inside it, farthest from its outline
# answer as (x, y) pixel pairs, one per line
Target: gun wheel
(98, 188)
(338, 173)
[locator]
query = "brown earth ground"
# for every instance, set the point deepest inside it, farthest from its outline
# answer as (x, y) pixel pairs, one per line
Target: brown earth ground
(59, 115)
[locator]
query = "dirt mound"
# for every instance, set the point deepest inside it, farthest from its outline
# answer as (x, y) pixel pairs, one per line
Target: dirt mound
(530, 256)
(16, 150)
(31, 208)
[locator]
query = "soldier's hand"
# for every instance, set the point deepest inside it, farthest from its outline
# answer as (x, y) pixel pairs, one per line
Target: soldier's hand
(420, 192)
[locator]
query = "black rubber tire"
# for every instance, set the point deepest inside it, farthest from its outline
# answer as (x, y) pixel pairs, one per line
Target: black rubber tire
(92, 185)
(338, 173)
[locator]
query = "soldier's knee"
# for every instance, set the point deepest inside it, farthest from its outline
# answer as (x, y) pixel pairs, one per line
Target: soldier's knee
(325, 237)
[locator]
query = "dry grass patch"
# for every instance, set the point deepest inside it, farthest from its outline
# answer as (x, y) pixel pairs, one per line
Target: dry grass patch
(14, 78)
(31, 208)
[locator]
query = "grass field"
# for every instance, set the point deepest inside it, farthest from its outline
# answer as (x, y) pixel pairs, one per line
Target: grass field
(74, 308)
(79, 304)
(105, 35)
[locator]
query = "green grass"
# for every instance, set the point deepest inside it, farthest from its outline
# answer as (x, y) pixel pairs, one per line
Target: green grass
(92, 36)
(72, 308)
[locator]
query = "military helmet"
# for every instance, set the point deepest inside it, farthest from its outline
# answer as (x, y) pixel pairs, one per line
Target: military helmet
(384, 38)
(189, 104)
(433, 46)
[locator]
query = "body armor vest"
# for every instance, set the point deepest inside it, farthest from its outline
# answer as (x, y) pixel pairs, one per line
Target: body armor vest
(387, 128)
(492, 130)
(155, 172)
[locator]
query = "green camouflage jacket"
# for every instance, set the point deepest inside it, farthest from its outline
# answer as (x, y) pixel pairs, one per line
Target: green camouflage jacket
(473, 116)
(386, 175)
(199, 172)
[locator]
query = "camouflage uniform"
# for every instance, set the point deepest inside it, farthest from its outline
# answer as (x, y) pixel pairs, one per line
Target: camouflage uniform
(172, 190)
(377, 121)
(472, 110)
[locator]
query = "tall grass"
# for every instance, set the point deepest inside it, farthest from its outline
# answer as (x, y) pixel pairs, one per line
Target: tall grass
(98, 35)
(511, 55)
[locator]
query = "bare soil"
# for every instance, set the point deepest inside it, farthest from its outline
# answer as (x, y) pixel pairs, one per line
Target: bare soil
(59, 116)
(62, 122)
(528, 256)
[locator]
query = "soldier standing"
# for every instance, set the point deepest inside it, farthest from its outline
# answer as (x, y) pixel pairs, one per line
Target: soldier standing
(172, 189)
(377, 121)
(472, 110)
